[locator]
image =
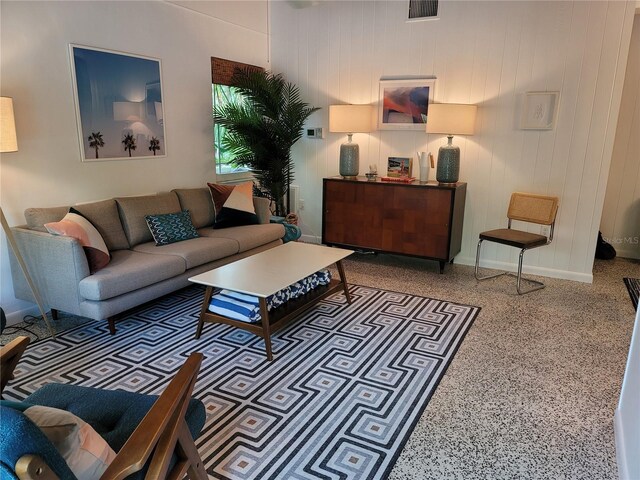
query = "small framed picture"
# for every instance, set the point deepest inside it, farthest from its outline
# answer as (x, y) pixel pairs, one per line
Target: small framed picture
(404, 104)
(540, 110)
(400, 167)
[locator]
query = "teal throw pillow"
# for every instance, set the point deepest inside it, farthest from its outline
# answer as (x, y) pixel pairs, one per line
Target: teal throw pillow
(171, 227)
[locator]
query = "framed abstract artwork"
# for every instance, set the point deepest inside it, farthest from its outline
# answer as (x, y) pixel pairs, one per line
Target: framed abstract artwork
(540, 110)
(404, 104)
(119, 104)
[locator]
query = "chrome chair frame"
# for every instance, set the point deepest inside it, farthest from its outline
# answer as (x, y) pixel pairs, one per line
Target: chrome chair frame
(537, 285)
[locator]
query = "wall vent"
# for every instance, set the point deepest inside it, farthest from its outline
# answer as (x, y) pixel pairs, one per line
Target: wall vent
(423, 9)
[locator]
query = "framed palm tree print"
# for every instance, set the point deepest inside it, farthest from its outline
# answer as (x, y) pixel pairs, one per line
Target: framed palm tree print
(119, 104)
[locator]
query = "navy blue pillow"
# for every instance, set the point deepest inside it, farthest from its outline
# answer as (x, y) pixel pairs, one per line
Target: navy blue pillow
(230, 217)
(171, 227)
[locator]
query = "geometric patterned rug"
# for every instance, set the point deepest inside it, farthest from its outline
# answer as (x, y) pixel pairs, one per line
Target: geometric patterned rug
(633, 286)
(347, 385)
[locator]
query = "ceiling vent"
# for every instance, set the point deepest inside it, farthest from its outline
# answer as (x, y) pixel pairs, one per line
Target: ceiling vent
(423, 9)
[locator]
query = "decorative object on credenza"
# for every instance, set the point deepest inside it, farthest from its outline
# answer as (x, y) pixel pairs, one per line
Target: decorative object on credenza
(350, 119)
(398, 179)
(117, 95)
(539, 110)
(423, 163)
(399, 167)
(9, 143)
(450, 119)
(405, 104)
(372, 174)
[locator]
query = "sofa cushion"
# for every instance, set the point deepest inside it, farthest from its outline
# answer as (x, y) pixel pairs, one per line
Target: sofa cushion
(194, 252)
(37, 217)
(77, 226)
(247, 236)
(198, 202)
(219, 194)
(263, 212)
(237, 209)
(128, 271)
(104, 216)
(87, 454)
(134, 209)
(122, 411)
(169, 228)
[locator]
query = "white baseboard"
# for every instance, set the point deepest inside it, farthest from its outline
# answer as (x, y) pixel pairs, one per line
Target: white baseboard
(18, 315)
(311, 239)
(621, 452)
(627, 252)
(512, 267)
(532, 270)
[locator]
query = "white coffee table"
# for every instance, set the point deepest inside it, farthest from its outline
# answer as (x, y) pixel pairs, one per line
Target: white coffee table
(268, 272)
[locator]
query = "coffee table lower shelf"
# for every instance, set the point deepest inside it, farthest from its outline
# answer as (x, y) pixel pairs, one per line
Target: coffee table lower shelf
(277, 319)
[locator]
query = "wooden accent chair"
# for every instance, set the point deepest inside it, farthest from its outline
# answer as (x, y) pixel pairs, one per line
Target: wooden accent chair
(161, 445)
(524, 207)
(10, 355)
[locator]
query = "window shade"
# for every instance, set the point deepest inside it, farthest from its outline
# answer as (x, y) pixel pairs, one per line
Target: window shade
(222, 70)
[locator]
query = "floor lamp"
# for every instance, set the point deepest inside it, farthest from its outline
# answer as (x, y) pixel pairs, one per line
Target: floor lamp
(9, 143)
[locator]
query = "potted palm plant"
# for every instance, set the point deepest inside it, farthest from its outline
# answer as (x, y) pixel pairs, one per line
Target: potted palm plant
(260, 127)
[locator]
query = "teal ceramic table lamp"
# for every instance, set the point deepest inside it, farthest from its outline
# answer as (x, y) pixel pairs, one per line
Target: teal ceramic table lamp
(450, 119)
(350, 119)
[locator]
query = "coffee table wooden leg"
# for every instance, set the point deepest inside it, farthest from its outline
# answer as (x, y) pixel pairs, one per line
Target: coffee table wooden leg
(205, 306)
(266, 331)
(343, 279)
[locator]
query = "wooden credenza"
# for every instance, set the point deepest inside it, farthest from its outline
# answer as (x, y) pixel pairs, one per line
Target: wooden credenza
(421, 220)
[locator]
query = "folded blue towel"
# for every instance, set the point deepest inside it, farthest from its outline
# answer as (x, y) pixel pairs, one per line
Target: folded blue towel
(246, 308)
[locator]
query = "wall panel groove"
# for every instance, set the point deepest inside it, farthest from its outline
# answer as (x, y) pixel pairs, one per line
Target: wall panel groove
(490, 54)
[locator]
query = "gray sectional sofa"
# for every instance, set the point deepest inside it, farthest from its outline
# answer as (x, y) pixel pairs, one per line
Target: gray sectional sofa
(139, 271)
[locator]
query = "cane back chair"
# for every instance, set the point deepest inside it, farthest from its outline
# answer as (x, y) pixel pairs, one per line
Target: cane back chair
(524, 207)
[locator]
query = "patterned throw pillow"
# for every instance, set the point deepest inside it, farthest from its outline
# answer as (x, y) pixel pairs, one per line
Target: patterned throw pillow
(87, 454)
(171, 227)
(233, 205)
(75, 225)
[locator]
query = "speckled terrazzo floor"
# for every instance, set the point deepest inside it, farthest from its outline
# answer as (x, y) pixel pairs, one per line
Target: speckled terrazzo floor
(532, 391)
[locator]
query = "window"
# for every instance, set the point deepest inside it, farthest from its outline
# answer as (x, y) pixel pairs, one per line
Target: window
(224, 159)
(222, 90)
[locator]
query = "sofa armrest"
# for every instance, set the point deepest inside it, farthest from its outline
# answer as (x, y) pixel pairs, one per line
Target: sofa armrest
(263, 211)
(56, 264)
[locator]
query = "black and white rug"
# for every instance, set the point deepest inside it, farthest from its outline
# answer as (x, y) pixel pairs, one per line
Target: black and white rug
(633, 286)
(346, 387)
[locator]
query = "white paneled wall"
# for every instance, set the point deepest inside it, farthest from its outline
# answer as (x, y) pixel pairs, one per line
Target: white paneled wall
(486, 53)
(620, 223)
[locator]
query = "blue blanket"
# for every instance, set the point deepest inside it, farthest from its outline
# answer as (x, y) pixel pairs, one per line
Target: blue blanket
(246, 308)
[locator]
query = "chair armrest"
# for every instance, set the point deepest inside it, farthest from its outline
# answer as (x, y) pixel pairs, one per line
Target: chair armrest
(163, 432)
(263, 211)
(56, 264)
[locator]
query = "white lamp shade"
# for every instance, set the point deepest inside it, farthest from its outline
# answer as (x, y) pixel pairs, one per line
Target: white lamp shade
(127, 111)
(451, 118)
(8, 139)
(350, 118)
